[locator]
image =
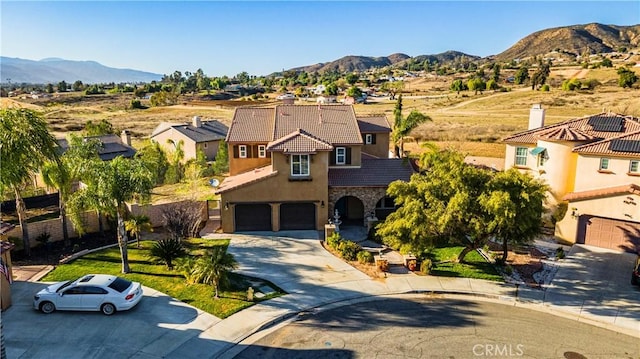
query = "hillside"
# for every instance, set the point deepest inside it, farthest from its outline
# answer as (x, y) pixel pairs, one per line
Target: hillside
(574, 40)
(54, 70)
(354, 63)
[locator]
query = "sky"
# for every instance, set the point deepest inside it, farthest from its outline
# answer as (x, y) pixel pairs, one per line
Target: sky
(261, 37)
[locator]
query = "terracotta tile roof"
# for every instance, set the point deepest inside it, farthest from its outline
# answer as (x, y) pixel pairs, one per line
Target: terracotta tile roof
(585, 125)
(6, 246)
(251, 124)
(627, 145)
(243, 179)
(372, 173)
(299, 141)
(373, 124)
(602, 192)
(334, 124)
(5, 227)
(564, 133)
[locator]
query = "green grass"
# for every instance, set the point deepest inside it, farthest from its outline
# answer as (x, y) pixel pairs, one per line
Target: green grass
(474, 267)
(153, 274)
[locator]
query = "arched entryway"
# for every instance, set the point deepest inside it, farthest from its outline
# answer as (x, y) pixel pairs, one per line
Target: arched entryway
(384, 207)
(351, 210)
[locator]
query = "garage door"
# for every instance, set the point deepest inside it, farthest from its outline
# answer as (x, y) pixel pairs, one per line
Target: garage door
(297, 216)
(609, 233)
(253, 217)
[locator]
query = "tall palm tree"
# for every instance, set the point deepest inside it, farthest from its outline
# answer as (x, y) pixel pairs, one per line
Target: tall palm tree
(136, 225)
(25, 145)
(402, 127)
(213, 267)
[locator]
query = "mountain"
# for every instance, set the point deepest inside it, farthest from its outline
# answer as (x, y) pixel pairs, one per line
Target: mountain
(576, 39)
(54, 70)
(354, 63)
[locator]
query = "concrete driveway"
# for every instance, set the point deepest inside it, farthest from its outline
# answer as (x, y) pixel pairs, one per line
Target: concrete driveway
(595, 282)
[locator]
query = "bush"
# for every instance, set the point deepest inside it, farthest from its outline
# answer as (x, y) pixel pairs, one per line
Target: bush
(167, 250)
(136, 104)
(544, 88)
(426, 265)
(373, 234)
(349, 250)
(333, 241)
(365, 257)
(43, 238)
(560, 253)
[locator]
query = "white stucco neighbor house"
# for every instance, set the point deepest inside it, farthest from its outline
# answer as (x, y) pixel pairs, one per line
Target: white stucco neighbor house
(593, 164)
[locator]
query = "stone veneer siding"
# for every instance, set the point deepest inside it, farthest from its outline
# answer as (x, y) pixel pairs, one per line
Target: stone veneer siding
(368, 195)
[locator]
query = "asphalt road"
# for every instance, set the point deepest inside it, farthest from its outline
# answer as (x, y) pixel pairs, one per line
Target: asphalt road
(411, 327)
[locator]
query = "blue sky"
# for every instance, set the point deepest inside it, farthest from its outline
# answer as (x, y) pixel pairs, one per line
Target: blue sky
(260, 37)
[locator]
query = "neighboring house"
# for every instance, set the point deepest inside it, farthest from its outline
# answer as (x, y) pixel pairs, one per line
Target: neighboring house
(197, 135)
(111, 146)
(593, 164)
(292, 166)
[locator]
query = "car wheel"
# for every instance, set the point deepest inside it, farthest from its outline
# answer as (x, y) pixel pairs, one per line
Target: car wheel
(47, 307)
(108, 309)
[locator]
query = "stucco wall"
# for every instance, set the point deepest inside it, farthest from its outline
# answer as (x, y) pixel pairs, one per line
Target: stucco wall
(380, 148)
(588, 177)
(240, 165)
(558, 168)
(154, 211)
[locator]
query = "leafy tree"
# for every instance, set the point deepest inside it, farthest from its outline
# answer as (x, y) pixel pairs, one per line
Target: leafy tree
(175, 171)
(25, 146)
(352, 78)
(626, 77)
(457, 86)
(540, 76)
(167, 249)
(571, 84)
(476, 84)
(515, 203)
(163, 98)
(62, 86)
(108, 186)
(393, 88)
(94, 90)
(331, 89)
(402, 127)
(77, 86)
(182, 220)
(522, 75)
(213, 268)
(136, 225)
(496, 73)
(606, 62)
(354, 92)
(49, 88)
(221, 164)
(103, 127)
(492, 85)
(155, 159)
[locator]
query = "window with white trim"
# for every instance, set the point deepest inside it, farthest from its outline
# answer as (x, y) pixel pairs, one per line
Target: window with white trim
(242, 151)
(521, 156)
(542, 158)
(299, 165)
(341, 155)
(205, 145)
(368, 139)
(262, 151)
(604, 164)
(634, 166)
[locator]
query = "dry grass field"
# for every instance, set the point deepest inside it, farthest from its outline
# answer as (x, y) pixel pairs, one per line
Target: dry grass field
(474, 124)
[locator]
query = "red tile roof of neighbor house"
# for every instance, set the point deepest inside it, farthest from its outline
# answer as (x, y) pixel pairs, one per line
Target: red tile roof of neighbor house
(6, 246)
(299, 141)
(246, 178)
(599, 126)
(373, 124)
(602, 192)
(627, 145)
(333, 124)
(564, 133)
(372, 173)
(5, 227)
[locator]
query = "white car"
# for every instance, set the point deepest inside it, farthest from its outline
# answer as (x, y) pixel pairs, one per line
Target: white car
(286, 96)
(92, 292)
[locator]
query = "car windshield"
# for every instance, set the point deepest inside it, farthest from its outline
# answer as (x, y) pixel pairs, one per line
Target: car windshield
(120, 284)
(66, 284)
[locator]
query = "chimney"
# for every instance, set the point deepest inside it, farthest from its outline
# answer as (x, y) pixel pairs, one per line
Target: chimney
(125, 136)
(196, 121)
(536, 117)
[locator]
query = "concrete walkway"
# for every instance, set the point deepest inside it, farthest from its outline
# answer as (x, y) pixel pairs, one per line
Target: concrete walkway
(316, 280)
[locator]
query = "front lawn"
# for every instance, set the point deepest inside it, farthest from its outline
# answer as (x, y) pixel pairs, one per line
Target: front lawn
(153, 274)
(475, 266)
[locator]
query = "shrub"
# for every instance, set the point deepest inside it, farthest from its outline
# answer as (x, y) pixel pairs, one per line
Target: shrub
(43, 238)
(167, 250)
(426, 265)
(544, 88)
(560, 253)
(333, 241)
(365, 257)
(349, 250)
(136, 104)
(571, 85)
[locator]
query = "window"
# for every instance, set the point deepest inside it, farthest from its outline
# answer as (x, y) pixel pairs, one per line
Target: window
(262, 151)
(368, 139)
(542, 158)
(299, 165)
(206, 145)
(242, 149)
(634, 166)
(94, 290)
(120, 284)
(341, 155)
(521, 156)
(604, 164)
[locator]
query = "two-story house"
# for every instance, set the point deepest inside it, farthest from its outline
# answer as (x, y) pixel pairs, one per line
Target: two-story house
(196, 136)
(293, 166)
(593, 164)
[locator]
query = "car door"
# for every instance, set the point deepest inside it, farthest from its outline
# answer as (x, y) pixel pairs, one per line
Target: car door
(93, 297)
(70, 298)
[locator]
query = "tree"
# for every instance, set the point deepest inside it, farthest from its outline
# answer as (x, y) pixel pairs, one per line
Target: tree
(182, 220)
(49, 88)
(402, 127)
(626, 77)
(175, 171)
(62, 86)
(136, 225)
(221, 164)
(515, 204)
(25, 146)
(213, 267)
(496, 73)
(352, 78)
(108, 186)
(103, 127)
(476, 84)
(77, 86)
(354, 92)
(606, 62)
(155, 159)
(457, 86)
(331, 89)
(540, 76)
(522, 75)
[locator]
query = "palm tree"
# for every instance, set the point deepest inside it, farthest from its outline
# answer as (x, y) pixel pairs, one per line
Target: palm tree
(402, 127)
(57, 176)
(136, 225)
(213, 267)
(25, 145)
(167, 250)
(108, 186)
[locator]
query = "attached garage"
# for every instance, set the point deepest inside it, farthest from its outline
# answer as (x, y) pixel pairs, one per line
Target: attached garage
(609, 233)
(253, 217)
(297, 216)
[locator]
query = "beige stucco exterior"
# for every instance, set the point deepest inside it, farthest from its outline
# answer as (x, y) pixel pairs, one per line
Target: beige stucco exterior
(169, 138)
(380, 148)
(589, 177)
(239, 165)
